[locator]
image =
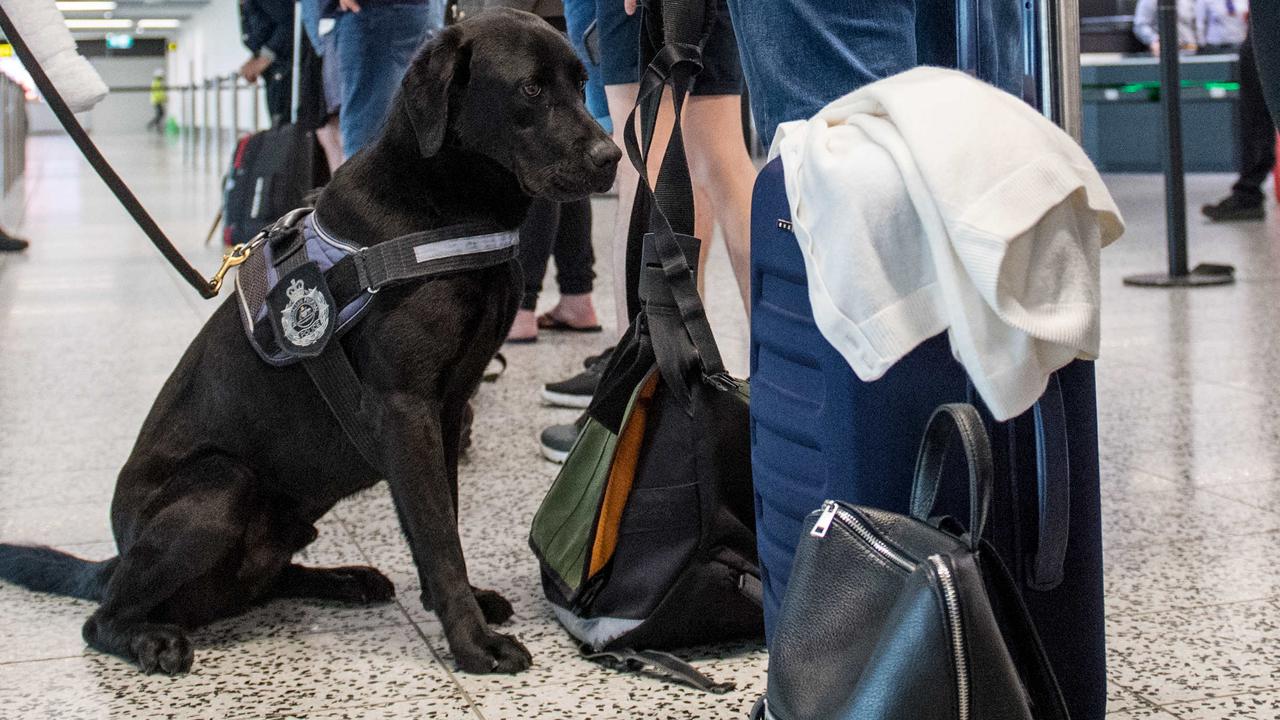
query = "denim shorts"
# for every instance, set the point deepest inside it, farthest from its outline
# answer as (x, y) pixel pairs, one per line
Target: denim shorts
(620, 50)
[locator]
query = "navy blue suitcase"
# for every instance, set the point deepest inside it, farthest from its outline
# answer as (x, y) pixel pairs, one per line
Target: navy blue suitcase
(819, 432)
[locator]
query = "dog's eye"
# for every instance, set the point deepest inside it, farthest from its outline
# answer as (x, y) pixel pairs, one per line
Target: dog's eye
(532, 90)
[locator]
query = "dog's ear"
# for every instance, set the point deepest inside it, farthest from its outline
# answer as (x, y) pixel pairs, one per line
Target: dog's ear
(431, 84)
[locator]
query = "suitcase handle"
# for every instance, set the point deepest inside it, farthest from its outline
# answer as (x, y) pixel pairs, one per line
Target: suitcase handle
(1053, 485)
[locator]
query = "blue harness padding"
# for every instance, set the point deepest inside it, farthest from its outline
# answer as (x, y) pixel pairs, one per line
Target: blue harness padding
(302, 285)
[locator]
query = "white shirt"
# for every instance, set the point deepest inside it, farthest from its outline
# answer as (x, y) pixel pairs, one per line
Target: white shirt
(930, 201)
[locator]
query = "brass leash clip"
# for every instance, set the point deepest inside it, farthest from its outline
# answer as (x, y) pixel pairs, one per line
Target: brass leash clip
(231, 258)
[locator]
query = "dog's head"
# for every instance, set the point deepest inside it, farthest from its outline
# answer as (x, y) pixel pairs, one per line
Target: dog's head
(506, 85)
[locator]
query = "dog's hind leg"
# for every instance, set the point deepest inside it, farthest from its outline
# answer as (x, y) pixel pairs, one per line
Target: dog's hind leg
(348, 584)
(198, 529)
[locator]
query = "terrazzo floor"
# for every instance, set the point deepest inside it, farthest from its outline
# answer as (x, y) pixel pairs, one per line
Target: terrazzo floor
(92, 321)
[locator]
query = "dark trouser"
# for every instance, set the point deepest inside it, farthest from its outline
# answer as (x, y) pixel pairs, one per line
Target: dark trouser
(1264, 18)
(1257, 133)
(279, 91)
(157, 121)
(562, 228)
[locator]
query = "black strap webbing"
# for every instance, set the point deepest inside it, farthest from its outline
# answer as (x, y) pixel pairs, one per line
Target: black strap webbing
(628, 660)
(99, 163)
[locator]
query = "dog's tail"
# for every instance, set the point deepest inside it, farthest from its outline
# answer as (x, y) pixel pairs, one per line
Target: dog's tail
(44, 569)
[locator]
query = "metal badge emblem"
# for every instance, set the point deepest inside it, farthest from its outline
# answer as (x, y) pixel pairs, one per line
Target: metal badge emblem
(306, 317)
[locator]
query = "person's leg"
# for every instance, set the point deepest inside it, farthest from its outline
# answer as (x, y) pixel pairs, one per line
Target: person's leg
(721, 168)
(799, 55)
(375, 46)
(1264, 19)
(536, 237)
(578, 15)
(1257, 132)
(279, 93)
(575, 273)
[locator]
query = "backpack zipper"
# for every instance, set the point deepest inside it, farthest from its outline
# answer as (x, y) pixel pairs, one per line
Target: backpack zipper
(832, 510)
(951, 598)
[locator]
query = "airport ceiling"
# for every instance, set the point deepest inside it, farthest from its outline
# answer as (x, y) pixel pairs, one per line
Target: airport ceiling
(143, 18)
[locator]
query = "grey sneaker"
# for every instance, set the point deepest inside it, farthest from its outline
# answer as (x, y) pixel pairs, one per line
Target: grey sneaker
(576, 392)
(558, 440)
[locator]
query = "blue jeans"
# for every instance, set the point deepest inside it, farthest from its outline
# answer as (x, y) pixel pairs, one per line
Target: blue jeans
(799, 55)
(375, 46)
(578, 14)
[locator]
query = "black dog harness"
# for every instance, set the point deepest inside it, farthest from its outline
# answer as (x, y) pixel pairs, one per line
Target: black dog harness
(301, 287)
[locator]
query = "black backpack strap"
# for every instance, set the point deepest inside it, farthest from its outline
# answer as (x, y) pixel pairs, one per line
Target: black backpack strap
(1020, 636)
(628, 660)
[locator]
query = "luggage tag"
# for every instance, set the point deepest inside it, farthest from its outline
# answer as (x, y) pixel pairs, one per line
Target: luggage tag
(301, 312)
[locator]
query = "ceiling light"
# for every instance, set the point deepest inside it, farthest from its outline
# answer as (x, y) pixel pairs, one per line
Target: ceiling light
(158, 24)
(77, 6)
(121, 24)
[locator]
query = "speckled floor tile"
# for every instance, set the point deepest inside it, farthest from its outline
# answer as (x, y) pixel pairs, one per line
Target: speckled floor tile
(1145, 518)
(69, 524)
(1120, 698)
(1149, 713)
(622, 697)
(1189, 574)
(1206, 652)
(292, 675)
(1251, 706)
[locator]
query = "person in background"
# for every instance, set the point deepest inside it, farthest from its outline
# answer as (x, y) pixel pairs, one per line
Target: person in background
(1221, 25)
(318, 20)
(1257, 147)
(376, 40)
(1264, 22)
(1146, 29)
(719, 166)
(266, 28)
(159, 98)
(559, 229)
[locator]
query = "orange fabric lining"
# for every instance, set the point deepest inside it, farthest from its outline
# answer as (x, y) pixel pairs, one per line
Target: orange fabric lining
(621, 474)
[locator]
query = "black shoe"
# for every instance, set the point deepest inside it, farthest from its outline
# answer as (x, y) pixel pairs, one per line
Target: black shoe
(576, 392)
(1233, 208)
(558, 440)
(9, 243)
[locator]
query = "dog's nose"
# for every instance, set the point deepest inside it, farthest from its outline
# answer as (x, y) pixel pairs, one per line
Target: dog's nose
(604, 153)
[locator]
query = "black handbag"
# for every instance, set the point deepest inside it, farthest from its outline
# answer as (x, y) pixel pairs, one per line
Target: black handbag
(889, 617)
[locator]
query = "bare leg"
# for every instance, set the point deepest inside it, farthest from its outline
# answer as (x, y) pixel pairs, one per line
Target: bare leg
(720, 167)
(330, 138)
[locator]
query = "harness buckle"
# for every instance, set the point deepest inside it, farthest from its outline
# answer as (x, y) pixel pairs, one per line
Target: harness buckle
(231, 258)
(362, 273)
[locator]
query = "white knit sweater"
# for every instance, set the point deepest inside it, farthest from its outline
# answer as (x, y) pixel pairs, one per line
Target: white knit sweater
(931, 201)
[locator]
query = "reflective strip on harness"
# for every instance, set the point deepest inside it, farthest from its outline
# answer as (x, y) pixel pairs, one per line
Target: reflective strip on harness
(464, 246)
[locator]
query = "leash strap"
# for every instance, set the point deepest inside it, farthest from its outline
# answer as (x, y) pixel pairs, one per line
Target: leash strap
(628, 660)
(100, 164)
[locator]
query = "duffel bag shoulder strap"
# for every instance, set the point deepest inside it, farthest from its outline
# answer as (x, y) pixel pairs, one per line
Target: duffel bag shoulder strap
(670, 201)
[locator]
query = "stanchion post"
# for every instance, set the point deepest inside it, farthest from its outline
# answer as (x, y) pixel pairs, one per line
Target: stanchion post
(256, 91)
(217, 121)
(235, 108)
(1175, 196)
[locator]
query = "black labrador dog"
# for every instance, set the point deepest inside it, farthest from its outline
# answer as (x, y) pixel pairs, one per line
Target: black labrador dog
(238, 460)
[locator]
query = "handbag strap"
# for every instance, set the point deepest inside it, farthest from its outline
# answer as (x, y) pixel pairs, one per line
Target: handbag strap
(1021, 637)
(99, 163)
(947, 421)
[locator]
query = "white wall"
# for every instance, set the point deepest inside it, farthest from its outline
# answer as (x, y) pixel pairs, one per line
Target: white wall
(209, 46)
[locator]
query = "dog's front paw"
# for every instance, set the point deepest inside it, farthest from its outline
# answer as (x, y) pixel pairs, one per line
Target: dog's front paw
(162, 647)
(493, 653)
(496, 609)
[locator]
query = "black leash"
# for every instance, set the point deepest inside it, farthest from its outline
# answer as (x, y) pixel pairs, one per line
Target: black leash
(206, 288)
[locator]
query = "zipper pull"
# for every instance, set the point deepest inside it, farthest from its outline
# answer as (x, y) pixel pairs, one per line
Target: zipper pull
(824, 521)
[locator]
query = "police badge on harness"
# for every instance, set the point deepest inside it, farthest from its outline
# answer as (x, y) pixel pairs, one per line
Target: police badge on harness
(301, 311)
